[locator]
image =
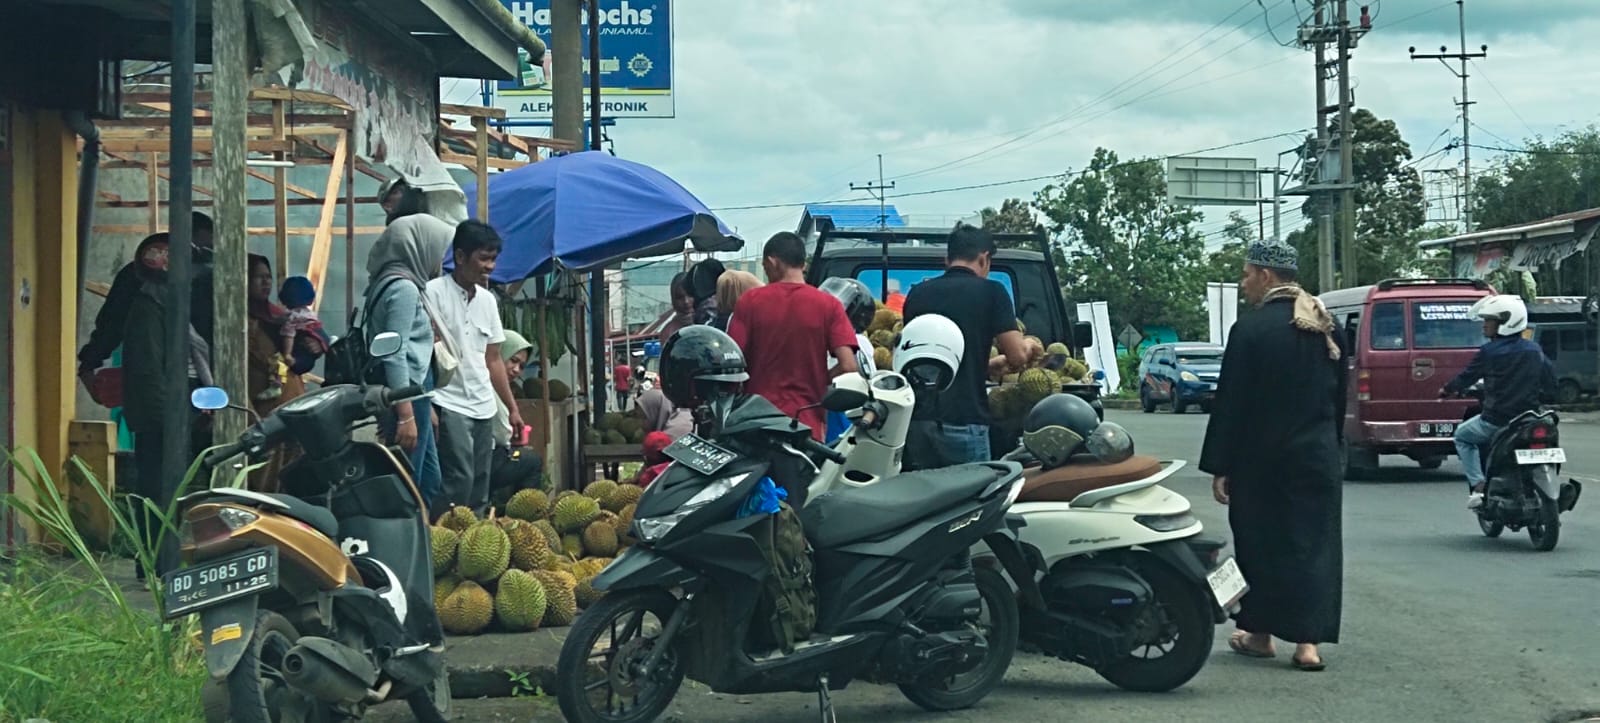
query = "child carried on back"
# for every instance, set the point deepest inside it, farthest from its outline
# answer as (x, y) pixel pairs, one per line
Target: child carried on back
(301, 340)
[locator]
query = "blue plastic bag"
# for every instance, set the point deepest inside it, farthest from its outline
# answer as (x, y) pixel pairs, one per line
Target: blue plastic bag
(838, 425)
(763, 500)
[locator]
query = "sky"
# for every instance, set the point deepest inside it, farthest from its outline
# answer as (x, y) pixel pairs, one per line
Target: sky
(784, 102)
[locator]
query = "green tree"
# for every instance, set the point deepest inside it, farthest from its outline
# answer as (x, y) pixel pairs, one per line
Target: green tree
(1116, 239)
(1014, 216)
(1390, 207)
(1554, 177)
(1226, 263)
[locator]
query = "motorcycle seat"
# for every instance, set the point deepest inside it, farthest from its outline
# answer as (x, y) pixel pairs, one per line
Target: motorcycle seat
(320, 518)
(1083, 474)
(853, 514)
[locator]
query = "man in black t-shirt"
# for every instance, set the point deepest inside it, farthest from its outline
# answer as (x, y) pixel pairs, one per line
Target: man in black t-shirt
(952, 427)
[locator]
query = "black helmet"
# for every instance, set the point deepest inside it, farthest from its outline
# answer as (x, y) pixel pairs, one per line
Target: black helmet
(1056, 428)
(697, 363)
(1109, 443)
(857, 299)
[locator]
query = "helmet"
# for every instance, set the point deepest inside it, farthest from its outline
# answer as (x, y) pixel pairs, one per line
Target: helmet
(857, 299)
(1110, 443)
(1057, 426)
(1508, 310)
(929, 352)
(698, 363)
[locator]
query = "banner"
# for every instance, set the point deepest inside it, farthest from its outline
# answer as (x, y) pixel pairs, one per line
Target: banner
(1222, 304)
(1102, 355)
(635, 61)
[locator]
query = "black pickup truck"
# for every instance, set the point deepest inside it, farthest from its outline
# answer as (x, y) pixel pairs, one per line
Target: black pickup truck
(892, 260)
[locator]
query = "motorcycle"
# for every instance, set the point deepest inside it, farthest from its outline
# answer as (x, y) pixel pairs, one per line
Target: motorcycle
(897, 599)
(1130, 587)
(1522, 465)
(317, 602)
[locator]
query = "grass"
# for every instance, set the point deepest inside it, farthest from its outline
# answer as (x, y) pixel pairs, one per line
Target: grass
(73, 645)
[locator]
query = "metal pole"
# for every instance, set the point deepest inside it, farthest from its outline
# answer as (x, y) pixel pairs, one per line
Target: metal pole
(1324, 227)
(176, 416)
(1466, 126)
(566, 69)
(597, 282)
(1350, 273)
(1277, 202)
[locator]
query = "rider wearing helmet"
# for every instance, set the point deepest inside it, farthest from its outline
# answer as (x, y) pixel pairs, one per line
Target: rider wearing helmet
(700, 364)
(859, 308)
(1515, 376)
(1057, 427)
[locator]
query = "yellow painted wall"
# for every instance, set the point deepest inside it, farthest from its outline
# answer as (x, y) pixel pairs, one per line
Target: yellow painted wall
(44, 264)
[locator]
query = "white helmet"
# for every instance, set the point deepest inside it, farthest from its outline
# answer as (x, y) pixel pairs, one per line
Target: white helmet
(1507, 309)
(929, 351)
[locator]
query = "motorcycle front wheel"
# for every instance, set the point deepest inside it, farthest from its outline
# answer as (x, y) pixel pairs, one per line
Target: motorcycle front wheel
(598, 677)
(1179, 641)
(254, 692)
(1000, 630)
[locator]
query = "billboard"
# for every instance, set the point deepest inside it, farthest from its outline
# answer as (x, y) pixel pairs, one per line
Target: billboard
(635, 61)
(1202, 181)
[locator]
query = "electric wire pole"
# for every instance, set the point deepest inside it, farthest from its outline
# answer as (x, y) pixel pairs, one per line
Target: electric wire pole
(1443, 55)
(1335, 262)
(877, 189)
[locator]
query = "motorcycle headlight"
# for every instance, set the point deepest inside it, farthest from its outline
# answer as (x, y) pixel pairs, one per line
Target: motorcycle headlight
(1167, 523)
(652, 529)
(1188, 376)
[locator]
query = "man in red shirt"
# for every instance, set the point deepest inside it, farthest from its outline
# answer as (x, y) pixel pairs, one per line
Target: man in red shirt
(621, 375)
(782, 326)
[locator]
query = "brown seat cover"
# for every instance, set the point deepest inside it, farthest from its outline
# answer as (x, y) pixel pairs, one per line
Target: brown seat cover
(1082, 474)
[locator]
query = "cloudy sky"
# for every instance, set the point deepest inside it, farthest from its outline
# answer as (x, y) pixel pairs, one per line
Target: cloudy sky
(783, 102)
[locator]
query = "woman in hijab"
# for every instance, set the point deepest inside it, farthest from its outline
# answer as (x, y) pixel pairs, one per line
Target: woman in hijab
(730, 286)
(409, 253)
(263, 362)
(661, 416)
(682, 307)
(516, 466)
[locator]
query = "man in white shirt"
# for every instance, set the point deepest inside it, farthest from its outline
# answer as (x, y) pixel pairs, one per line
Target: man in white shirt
(466, 407)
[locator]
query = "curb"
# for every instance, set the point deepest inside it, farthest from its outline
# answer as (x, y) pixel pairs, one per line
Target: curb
(503, 665)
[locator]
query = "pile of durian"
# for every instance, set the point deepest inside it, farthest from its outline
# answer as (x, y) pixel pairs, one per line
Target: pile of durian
(1047, 369)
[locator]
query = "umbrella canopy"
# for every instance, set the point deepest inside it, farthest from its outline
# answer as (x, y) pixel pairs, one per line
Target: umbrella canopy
(586, 210)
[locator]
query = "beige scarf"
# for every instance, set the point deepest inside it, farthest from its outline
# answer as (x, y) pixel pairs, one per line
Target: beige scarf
(1309, 314)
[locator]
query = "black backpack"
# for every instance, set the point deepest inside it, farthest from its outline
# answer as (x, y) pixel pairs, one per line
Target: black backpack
(347, 361)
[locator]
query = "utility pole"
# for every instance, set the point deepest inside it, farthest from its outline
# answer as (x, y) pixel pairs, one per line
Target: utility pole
(176, 417)
(231, 71)
(1349, 272)
(599, 307)
(1323, 186)
(566, 69)
(877, 189)
(1465, 103)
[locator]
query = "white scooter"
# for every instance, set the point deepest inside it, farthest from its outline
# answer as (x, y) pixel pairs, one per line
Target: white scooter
(1130, 588)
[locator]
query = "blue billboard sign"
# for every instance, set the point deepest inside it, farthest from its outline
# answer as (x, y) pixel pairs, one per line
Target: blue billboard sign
(635, 61)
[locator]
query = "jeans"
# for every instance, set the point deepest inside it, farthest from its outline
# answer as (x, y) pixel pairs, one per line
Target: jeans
(425, 457)
(1471, 437)
(932, 445)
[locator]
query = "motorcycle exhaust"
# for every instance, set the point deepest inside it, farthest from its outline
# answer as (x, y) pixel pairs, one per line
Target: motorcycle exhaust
(329, 672)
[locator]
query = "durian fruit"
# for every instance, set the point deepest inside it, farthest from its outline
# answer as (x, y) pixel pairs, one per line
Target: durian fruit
(485, 552)
(442, 587)
(613, 437)
(559, 391)
(598, 491)
(622, 496)
(600, 539)
(1035, 347)
(883, 320)
(519, 601)
(629, 426)
(881, 337)
(467, 610)
(548, 531)
(572, 513)
(572, 545)
(558, 498)
(590, 566)
(592, 436)
(636, 436)
(458, 518)
(528, 505)
(1074, 369)
(528, 546)
(585, 594)
(444, 541)
(1036, 384)
(898, 327)
(561, 605)
(1057, 349)
(625, 524)
(611, 421)
(882, 358)
(1002, 402)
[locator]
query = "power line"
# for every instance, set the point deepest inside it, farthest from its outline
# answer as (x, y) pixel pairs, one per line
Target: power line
(1537, 151)
(1509, 106)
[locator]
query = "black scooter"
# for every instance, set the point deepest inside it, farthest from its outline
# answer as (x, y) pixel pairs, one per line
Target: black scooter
(898, 598)
(1523, 464)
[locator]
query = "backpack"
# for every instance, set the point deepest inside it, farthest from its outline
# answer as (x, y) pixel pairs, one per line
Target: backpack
(786, 612)
(347, 360)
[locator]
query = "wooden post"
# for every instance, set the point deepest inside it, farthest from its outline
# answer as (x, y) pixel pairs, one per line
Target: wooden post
(230, 105)
(152, 175)
(280, 194)
(350, 235)
(481, 124)
(322, 243)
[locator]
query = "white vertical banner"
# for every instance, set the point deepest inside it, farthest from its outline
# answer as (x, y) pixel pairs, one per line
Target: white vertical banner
(1102, 355)
(1222, 306)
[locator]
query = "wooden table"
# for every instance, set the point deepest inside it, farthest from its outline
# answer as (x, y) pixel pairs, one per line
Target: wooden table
(609, 457)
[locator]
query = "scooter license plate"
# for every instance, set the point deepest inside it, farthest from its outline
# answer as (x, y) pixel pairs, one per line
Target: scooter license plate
(1552, 455)
(212, 582)
(1227, 583)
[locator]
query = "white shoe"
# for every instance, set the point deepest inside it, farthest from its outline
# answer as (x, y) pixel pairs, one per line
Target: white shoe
(1474, 500)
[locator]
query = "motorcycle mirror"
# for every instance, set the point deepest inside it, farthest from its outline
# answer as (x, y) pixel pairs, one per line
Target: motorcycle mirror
(384, 345)
(843, 400)
(209, 399)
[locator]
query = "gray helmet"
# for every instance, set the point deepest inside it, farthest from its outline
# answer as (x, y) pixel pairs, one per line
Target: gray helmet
(1110, 443)
(1056, 428)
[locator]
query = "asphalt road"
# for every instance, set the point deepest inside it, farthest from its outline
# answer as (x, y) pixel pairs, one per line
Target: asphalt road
(1440, 624)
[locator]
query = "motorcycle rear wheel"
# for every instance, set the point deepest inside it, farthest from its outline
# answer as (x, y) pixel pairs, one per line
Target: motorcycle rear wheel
(254, 692)
(613, 630)
(432, 705)
(964, 691)
(1190, 631)
(1545, 533)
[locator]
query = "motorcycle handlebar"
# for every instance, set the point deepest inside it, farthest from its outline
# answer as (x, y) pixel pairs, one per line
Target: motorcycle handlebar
(826, 452)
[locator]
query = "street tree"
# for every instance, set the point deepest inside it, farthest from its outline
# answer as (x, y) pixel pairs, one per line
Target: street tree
(1226, 262)
(1014, 216)
(1117, 239)
(1550, 178)
(1390, 208)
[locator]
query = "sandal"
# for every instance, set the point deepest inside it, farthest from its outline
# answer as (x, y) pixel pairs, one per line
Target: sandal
(1309, 666)
(1236, 643)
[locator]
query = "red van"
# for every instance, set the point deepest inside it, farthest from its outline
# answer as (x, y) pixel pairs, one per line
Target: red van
(1407, 338)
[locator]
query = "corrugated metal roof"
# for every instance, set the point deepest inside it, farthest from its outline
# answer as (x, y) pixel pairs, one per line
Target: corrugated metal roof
(1565, 223)
(846, 215)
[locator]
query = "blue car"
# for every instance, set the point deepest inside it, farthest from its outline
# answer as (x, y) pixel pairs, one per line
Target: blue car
(1179, 374)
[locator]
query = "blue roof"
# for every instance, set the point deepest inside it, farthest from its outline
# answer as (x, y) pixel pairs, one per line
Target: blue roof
(862, 215)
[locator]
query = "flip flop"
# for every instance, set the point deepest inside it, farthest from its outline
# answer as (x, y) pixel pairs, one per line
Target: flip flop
(1236, 642)
(1309, 666)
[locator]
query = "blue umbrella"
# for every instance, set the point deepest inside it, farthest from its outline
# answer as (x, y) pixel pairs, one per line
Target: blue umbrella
(586, 210)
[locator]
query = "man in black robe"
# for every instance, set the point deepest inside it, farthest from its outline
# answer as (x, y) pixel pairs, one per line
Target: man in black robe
(1274, 447)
